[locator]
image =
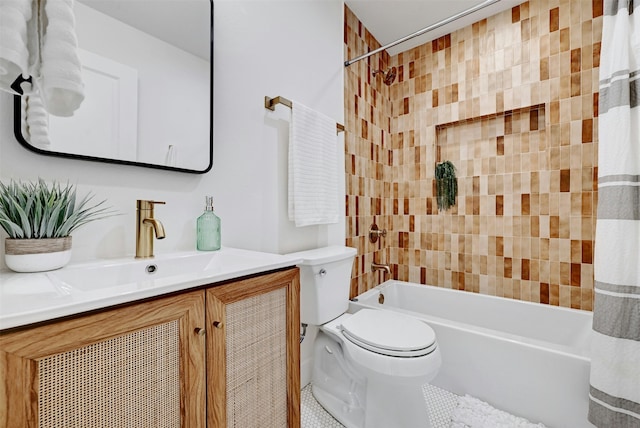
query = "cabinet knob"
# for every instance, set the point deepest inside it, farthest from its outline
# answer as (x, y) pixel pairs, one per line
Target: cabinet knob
(200, 331)
(217, 324)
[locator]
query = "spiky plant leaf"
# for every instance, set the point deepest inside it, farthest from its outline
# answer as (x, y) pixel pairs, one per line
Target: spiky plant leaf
(38, 210)
(20, 216)
(12, 229)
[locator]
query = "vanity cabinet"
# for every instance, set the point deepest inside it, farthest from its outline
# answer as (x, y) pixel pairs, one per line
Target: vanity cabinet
(226, 355)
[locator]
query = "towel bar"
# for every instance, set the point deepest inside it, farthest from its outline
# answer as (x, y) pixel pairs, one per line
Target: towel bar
(270, 103)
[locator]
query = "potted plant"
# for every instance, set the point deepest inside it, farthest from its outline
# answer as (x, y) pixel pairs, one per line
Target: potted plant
(39, 219)
(446, 185)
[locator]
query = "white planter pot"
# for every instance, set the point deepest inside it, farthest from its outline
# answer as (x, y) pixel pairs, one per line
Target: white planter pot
(37, 255)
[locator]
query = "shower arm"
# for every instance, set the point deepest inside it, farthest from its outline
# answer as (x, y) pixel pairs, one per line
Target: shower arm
(424, 30)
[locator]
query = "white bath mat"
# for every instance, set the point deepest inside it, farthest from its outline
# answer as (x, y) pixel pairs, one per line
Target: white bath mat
(473, 413)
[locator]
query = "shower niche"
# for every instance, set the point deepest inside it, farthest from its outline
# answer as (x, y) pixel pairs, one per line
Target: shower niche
(496, 156)
(512, 214)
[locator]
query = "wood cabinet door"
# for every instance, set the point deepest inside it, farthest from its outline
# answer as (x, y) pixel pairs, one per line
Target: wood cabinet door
(141, 365)
(253, 352)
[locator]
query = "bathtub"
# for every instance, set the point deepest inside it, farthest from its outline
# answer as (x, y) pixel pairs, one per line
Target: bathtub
(529, 359)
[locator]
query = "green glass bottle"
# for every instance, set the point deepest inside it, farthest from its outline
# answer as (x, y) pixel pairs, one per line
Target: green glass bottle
(208, 228)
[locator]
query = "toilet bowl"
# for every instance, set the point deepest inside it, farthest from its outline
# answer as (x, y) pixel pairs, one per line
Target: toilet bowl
(365, 376)
(369, 367)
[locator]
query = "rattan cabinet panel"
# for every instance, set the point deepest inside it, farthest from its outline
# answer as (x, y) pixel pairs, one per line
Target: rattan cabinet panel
(137, 366)
(254, 358)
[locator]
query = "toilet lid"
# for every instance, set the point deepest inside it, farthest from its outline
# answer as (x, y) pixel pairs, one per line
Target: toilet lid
(389, 333)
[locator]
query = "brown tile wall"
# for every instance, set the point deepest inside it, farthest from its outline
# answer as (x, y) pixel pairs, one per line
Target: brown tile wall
(368, 153)
(512, 101)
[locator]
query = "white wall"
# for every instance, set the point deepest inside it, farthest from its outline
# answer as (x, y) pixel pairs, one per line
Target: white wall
(287, 48)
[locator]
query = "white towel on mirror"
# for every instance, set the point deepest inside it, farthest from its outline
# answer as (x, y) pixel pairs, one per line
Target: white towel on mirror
(60, 79)
(35, 119)
(35, 126)
(16, 30)
(313, 167)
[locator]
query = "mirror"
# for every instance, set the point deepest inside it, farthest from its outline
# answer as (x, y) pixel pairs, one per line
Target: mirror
(148, 75)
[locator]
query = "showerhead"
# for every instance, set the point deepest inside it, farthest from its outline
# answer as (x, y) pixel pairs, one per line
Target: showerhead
(387, 77)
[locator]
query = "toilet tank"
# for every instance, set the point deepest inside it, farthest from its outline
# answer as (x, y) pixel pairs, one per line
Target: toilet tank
(325, 280)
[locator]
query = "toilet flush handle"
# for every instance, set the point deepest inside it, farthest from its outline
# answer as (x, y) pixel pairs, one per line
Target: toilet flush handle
(322, 272)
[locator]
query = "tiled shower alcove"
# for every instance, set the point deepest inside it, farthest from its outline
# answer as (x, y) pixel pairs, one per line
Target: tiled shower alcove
(512, 101)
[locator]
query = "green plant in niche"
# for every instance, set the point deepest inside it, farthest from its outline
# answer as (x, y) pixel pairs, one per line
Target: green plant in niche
(446, 185)
(40, 211)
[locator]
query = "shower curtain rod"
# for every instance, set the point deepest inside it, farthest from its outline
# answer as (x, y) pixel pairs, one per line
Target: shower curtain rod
(424, 30)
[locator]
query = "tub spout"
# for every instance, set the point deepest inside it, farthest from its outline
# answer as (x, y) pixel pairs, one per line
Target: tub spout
(378, 266)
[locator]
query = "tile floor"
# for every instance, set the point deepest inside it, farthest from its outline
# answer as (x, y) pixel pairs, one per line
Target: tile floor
(313, 415)
(443, 404)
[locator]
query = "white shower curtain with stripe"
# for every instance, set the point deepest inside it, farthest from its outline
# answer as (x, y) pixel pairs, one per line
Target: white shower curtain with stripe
(615, 361)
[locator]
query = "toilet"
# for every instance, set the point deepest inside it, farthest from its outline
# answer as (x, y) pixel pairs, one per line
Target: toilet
(369, 367)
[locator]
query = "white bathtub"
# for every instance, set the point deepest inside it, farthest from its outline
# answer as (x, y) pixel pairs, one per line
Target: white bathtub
(529, 359)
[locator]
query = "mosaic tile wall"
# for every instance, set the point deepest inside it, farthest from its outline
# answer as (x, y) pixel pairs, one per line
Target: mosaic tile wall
(368, 154)
(512, 102)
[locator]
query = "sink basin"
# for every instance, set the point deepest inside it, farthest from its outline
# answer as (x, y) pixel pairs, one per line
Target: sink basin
(158, 271)
(85, 277)
(33, 297)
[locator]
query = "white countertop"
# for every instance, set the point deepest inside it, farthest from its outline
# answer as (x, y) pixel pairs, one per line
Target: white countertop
(27, 298)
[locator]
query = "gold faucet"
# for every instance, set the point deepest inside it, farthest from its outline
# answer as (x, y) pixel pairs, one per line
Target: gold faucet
(146, 227)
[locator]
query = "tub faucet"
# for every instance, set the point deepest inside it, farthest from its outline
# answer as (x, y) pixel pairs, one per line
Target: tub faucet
(377, 266)
(146, 227)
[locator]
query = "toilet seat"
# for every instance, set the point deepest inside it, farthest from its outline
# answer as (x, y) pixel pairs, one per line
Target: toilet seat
(389, 333)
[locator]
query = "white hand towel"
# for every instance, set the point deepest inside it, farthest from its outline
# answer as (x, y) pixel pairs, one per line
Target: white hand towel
(15, 28)
(60, 81)
(313, 167)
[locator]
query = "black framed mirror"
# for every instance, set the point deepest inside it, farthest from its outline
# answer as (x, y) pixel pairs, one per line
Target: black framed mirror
(147, 68)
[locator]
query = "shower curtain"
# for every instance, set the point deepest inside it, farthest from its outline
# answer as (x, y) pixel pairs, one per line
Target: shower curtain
(614, 398)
